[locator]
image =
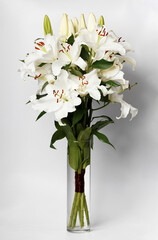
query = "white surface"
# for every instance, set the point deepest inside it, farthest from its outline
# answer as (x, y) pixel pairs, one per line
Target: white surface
(33, 177)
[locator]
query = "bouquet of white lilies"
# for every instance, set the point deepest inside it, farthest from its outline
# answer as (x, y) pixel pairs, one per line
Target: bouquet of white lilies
(81, 66)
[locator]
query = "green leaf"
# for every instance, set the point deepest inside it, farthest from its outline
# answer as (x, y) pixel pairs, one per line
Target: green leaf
(102, 64)
(22, 60)
(68, 133)
(102, 137)
(74, 155)
(58, 135)
(28, 102)
(44, 85)
(102, 116)
(77, 116)
(85, 53)
(84, 136)
(41, 64)
(66, 67)
(40, 115)
(38, 96)
(100, 124)
(76, 72)
(71, 40)
(79, 128)
(57, 125)
(86, 155)
(112, 83)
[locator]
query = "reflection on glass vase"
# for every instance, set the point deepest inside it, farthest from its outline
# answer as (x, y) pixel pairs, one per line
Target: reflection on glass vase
(78, 186)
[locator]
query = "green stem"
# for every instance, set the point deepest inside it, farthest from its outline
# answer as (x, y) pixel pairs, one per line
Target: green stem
(82, 212)
(85, 115)
(79, 211)
(76, 209)
(72, 210)
(86, 210)
(95, 109)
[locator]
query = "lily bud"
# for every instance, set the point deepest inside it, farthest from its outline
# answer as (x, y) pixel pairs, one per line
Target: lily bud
(76, 25)
(82, 23)
(91, 22)
(71, 28)
(47, 26)
(101, 21)
(63, 29)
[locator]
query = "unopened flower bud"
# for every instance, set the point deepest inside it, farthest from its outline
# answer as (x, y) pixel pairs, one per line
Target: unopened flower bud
(63, 29)
(76, 25)
(82, 23)
(71, 28)
(47, 26)
(91, 22)
(101, 21)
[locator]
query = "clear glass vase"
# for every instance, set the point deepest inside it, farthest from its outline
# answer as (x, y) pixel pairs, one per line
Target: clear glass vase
(78, 186)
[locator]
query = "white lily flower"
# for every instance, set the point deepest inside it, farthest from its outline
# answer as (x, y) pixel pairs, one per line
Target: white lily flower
(76, 24)
(46, 51)
(100, 41)
(126, 108)
(88, 84)
(127, 59)
(71, 28)
(109, 73)
(63, 28)
(27, 70)
(105, 91)
(68, 54)
(120, 79)
(82, 23)
(92, 23)
(61, 97)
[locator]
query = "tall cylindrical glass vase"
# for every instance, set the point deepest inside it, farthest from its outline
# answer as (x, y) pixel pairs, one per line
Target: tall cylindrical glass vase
(78, 186)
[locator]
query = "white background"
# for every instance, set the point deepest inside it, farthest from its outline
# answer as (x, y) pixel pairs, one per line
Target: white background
(33, 177)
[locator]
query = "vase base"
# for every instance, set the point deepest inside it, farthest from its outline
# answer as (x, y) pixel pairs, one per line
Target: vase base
(78, 229)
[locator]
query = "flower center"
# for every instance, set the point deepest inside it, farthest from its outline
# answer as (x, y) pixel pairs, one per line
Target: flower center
(102, 32)
(40, 46)
(83, 80)
(60, 95)
(66, 50)
(119, 39)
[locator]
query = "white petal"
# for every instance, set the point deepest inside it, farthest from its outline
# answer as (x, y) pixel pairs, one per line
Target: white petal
(61, 113)
(125, 108)
(81, 63)
(133, 112)
(128, 59)
(110, 45)
(95, 94)
(47, 104)
(126, 46)
(56, 67)
(109, 73)
(105, 91)
(99, 54)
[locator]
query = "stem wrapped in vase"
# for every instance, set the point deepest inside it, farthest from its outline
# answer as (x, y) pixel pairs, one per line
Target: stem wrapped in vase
(78, 188)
